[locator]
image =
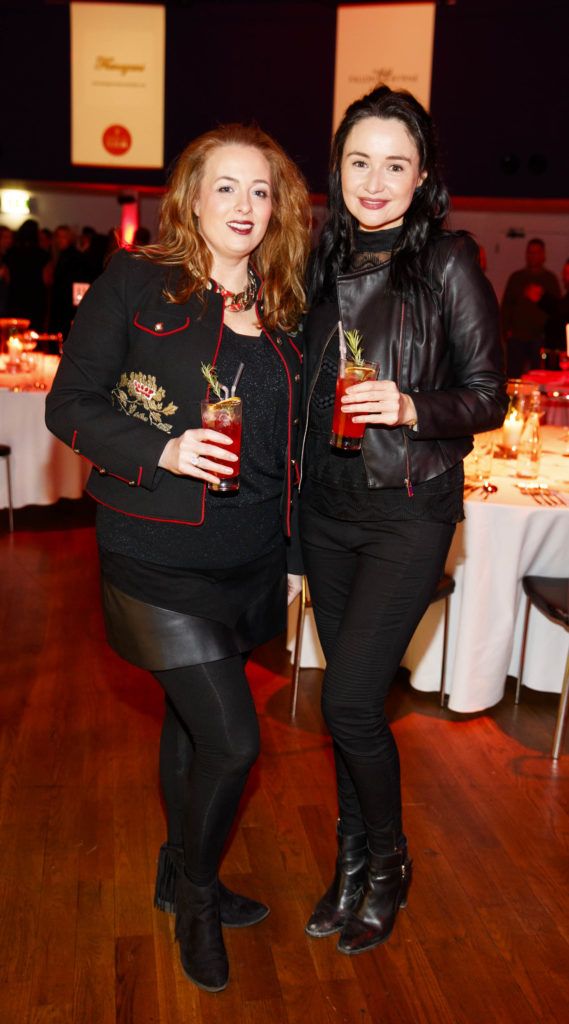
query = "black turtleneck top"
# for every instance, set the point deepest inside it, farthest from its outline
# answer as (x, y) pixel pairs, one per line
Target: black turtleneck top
(345, 493)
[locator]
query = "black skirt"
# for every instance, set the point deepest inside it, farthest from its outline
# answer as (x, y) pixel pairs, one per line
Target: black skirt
(158, 618)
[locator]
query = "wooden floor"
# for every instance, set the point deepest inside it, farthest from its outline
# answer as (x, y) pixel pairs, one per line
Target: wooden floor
(485, 937)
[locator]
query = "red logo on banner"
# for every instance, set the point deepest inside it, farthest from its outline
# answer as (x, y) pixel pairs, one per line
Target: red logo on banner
(117, 139)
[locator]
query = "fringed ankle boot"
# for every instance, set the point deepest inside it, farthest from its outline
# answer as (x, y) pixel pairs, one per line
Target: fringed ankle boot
(236, 911)
(385, 891)
(331, 912)
(165, 887)
(198, 932)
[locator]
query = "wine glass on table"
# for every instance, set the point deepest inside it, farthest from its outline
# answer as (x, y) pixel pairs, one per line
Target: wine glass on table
(29, 341)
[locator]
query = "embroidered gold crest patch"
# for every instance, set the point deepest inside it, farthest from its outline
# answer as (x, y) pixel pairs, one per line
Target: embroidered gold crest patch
(138, 395)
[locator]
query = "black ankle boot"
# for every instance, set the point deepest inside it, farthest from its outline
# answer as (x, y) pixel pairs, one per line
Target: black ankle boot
(236, 911)
(198, 932)
(331, 912)
(165, 887)
(239, 911)
(385, 890)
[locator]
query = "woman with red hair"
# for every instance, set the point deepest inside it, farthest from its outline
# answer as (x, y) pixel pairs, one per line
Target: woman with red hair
(194, 578)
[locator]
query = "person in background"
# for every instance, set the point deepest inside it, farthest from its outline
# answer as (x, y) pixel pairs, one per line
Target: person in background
(91, 246)
(6, 242)
(26, 263)
(523, 315)
(557, 311)
(141, 236)
(46, 239)
(376, 524)
(193, 579)
(112, 244)
(564, 301)
(64, 270)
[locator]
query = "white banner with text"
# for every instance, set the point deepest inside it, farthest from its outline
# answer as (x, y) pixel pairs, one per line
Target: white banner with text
(383, 44)
(117, 84)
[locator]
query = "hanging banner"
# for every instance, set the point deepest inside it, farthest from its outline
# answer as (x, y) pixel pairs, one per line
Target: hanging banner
(383, 44)
(117, 84)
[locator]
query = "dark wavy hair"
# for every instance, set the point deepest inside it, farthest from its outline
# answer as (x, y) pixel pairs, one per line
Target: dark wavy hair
(425, 215)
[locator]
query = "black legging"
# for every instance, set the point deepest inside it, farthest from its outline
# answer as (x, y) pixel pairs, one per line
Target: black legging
(210, 739)
(370, 584)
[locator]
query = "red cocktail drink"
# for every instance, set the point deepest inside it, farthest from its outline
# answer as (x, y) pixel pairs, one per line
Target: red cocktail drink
(346, 434)
(226, 417)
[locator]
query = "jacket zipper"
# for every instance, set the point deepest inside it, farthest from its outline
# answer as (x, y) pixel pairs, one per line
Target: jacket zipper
(408, 483)
(407, 479)
(301, 460)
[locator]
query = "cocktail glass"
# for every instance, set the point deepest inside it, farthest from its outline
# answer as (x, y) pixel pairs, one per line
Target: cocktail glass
(346, 434)
(226, 417)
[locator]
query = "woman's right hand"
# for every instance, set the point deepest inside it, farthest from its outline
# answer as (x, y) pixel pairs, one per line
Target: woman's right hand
(194, 453)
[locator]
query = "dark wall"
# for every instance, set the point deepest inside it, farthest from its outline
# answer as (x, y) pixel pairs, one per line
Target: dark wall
(273, 63)
(500, 96)
(499, 91)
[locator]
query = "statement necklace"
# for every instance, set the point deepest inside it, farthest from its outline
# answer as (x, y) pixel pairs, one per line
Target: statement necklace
(238, 302)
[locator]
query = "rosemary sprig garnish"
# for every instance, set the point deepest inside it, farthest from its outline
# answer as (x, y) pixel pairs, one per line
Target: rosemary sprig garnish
(210, 374)
(354, 340)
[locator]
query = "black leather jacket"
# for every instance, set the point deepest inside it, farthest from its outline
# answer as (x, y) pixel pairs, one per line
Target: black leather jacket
(442, 346)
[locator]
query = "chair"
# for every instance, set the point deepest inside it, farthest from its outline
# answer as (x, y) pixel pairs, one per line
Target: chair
(304, 602)
(550, 596)
(5, 453)
(443, 590)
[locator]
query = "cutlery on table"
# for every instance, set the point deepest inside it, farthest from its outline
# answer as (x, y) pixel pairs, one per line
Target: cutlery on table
(542, 494)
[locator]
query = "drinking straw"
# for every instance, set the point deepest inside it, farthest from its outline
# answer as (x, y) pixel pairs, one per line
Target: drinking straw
(237, 379)
(343, 350)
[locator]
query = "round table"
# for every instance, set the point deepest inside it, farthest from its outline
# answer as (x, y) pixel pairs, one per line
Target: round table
(504, 537)
(43, 468)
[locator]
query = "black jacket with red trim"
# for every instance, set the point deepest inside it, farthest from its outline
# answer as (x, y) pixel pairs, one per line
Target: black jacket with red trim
(130, 378)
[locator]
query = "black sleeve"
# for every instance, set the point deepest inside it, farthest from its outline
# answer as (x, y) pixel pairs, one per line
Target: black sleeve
(476, 399)
(79, 408)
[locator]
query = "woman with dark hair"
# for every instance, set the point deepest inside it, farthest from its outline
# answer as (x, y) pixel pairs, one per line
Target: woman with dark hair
(193, 578)
(376, 525)
(26, 263)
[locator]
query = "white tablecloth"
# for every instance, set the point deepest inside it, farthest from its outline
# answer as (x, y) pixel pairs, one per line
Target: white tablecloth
(43, 469)
(503, 538)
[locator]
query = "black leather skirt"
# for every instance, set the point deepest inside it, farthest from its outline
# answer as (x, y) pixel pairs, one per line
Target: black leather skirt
(158, 638)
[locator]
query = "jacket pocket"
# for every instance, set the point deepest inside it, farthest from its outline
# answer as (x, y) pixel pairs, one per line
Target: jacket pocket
(160, 324)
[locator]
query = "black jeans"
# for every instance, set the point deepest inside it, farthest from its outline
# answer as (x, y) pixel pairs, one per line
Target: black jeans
(370, 584)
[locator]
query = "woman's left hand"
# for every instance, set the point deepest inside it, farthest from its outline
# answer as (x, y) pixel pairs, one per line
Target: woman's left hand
(379, 401)
(294, 587)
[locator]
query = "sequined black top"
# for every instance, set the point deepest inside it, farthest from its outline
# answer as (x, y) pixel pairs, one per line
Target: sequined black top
(240, 526)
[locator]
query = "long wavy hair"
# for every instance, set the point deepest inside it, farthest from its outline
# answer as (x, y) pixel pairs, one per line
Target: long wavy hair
(281, 256)
(424, 216)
